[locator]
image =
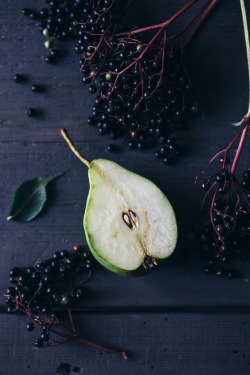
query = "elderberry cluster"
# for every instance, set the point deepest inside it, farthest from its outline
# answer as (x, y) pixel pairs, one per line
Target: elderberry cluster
(139, 98)
(225, 234)
(143, 92)
(39, 290)
(61, 18)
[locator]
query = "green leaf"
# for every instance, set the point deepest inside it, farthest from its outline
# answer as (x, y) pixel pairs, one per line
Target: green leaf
(29, 198)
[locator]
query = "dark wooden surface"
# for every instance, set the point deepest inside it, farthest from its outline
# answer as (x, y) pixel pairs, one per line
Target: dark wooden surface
(176, 320)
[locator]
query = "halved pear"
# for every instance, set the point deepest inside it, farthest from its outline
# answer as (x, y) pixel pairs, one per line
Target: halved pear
(130, 225)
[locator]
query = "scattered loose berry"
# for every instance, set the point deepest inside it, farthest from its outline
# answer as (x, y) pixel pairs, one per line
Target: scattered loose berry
(36, 88)
(30, 327)
(18, 78)
(111, 148)
(31, 112)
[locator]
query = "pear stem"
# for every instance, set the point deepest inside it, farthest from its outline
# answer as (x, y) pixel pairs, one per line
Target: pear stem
(246, 34)
(71, 145)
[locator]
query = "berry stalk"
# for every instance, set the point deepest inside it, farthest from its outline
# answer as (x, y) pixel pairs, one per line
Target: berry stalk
(247, 117)
(244, 133)
(162, 25)
(225, 233)
(76, 336)
(209, 5)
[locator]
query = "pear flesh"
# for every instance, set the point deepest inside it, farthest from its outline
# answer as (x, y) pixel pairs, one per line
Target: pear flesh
(130, 225)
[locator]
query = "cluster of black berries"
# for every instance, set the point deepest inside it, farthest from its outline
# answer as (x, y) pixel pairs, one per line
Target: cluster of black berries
(140, 98)
(168, 151)
(225, 234)
(39, 290)
(61, 19)
(142, 88)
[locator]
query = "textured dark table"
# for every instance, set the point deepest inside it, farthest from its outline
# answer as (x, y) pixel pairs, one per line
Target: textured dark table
(176, 320)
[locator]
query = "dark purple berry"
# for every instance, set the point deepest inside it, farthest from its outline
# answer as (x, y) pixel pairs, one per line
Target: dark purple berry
(205, 185)
(50, 59)
(36, 88)
(63, 254)
(30, 326)
(17, 78)
(92, 89)
(39, 343)
(31, 112)
(111, 148)
(26, 12)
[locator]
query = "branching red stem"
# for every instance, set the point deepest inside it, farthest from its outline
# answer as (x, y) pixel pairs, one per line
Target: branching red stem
(241, 145)
(210, 6)
(72, 323)
(242, 135)
(88, 342)
(160, 28)
(104, 348)
(162, 25)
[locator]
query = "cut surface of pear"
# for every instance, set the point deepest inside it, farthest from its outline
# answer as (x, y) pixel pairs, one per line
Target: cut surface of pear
(129, 223)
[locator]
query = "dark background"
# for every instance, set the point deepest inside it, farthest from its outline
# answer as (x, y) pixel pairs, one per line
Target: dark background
(176, 320)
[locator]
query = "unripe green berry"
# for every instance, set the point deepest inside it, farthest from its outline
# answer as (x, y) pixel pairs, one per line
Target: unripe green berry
(108, 76)
(139, 47)
(48, 43)
(65, 300)
(45, 32)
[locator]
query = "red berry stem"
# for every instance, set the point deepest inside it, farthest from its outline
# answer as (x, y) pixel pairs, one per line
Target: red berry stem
(135, 61)
(75, 336)
(72, 323)
(162, 25)
(124, 8)
(91, 343)
(209, 5)
(244, 133)
(121, 354)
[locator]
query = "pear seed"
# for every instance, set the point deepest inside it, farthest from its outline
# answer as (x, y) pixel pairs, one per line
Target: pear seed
(127, 220)
(134, 218)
